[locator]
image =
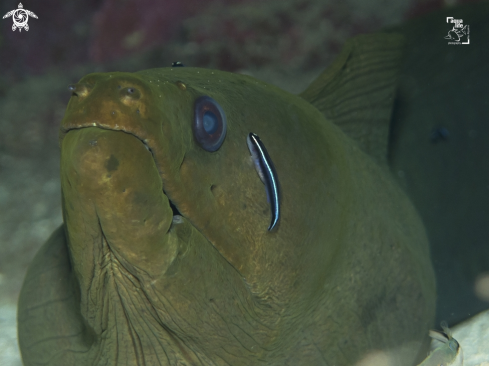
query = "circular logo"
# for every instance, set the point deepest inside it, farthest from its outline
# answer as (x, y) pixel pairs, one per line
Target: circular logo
(20, 18)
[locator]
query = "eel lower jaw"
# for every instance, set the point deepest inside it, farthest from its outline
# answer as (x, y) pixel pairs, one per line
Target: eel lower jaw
(177, 216)
(176, 212)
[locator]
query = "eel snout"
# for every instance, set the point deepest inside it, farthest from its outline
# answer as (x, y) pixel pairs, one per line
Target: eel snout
(115, 102)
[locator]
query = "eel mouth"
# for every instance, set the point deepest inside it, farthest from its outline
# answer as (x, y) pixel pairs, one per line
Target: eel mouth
(177, 215)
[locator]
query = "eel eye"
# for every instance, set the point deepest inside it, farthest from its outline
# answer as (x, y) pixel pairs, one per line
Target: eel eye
(209, 124)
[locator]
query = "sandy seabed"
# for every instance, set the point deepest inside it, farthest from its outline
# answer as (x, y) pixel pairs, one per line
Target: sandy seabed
(9, 349)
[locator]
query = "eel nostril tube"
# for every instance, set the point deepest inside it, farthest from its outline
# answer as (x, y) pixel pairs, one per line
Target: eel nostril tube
(79, 90)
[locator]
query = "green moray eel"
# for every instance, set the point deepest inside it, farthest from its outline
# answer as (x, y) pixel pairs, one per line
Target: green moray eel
(165, 257)
(441, 89)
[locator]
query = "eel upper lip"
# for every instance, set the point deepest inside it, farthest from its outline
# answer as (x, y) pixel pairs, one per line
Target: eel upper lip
(65, 130)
